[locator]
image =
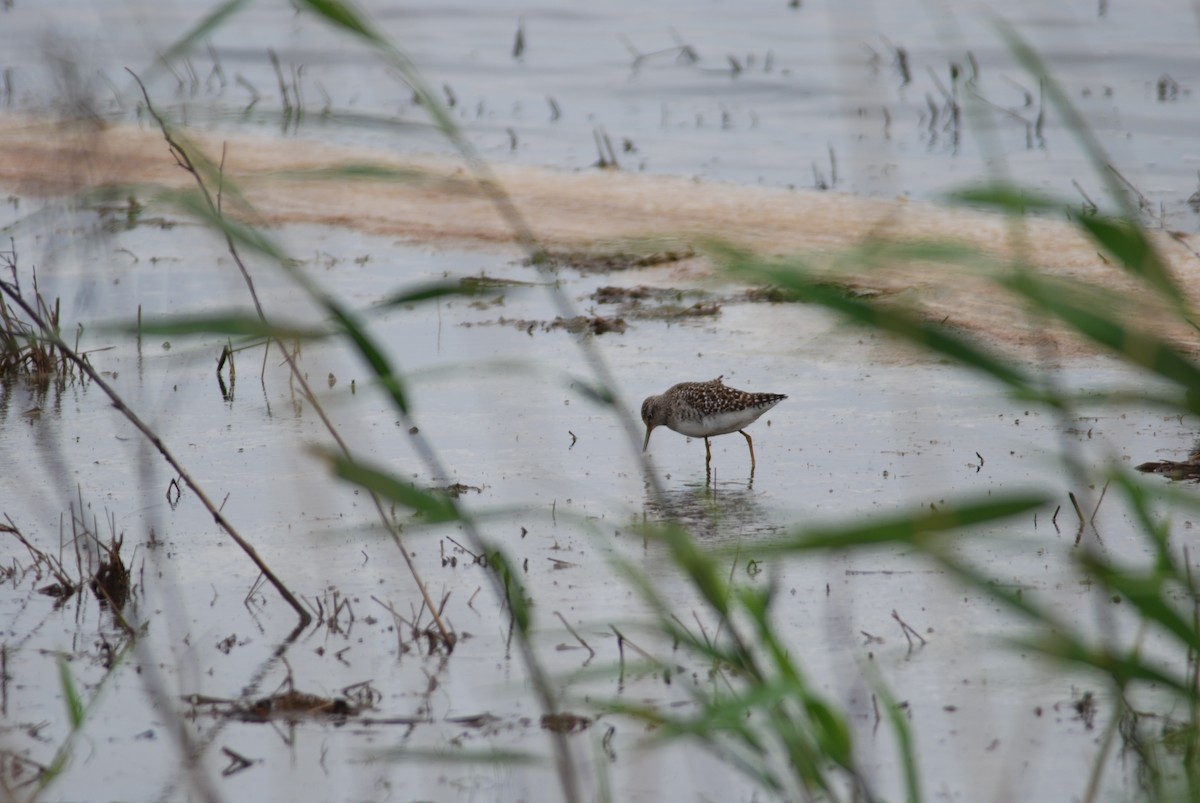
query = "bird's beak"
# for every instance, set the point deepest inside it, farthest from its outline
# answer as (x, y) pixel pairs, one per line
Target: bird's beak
(646, 443)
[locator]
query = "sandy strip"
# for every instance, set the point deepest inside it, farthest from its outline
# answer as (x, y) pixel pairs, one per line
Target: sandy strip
(586, 210)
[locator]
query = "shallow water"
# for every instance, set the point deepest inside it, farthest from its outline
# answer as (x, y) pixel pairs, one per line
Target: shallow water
(867, 427)
(861, 431)
(821, 78)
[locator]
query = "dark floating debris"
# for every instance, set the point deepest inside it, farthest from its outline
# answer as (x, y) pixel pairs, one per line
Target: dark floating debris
(593, 324)
(565, 722)
(611, 261)
(458, 489)
(657, 303)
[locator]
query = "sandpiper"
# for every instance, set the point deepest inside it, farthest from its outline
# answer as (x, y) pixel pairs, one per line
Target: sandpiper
(707, 409)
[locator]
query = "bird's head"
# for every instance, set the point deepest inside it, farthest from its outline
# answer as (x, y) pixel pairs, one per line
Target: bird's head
(653, 414)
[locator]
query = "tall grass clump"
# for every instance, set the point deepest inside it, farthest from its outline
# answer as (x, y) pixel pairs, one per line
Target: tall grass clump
(25, 350)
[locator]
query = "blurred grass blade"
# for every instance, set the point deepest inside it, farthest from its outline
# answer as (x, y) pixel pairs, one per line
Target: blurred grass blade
(1149, 593)
(1086, 317)
(432, 506)
(905, 325)
(432, 291)
(594, 392)
(242, 235)
(1122, 670)
(831, 730)
(1072, 119)
(514, 591)
(1126, 239)
(1011, 198)
(343, 15)
(75, 710)
(229, 325)
(1129, 244)
(201, 31)
(907, 528)
(361, 171)
(389, 379)
(700, 567)
(901, 729)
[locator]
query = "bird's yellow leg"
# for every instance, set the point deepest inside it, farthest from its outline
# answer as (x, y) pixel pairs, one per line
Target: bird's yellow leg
(749, 443)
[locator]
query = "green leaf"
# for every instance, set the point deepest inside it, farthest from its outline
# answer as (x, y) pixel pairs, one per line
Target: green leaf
(1127, 241)
(514, 591)
(1148, 593)
(1082, 313)
(241, 234)
(1006, 197)
(1123, 670)
(594, 392)
(909, 528)
(202, 29)
(901, 729)
(343, 15)
(900, 323)
(433, 290)
(357, 171)
(832, 732)
(700, 567)
(432, 506)
(75, 709)
(232, 325)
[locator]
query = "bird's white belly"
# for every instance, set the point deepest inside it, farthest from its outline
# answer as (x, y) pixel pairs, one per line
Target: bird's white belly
(718, 424)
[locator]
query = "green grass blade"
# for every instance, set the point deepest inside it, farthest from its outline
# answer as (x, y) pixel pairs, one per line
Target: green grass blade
(900, 323)
(244, 236)
(344, 16)
(75, 709)
(1081, 312)
(906, 528)
(1149, 593)
(228, 325)
(514, 591)
(432, 291)
(900, 727)
(202, 29)
(594, 392)
(1123, 670)
(1010, 198)
(1128, 242)
(1126, 239)
(360, 171)
(432, 506)
(389, 379)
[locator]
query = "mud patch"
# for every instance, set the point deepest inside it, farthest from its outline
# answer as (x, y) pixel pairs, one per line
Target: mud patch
(657, 303)
(576, 217)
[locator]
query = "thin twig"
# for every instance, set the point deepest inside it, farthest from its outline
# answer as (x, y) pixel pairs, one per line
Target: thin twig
(158, 444)
(186, 163)
(579, 638)
(908, 630)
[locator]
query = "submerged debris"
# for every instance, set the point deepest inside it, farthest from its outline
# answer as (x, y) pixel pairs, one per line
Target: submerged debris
(458, 489)
(290, 705)
(610, 261)
(564, 722)
(657, 303)
(110, 584)
(594, 324)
